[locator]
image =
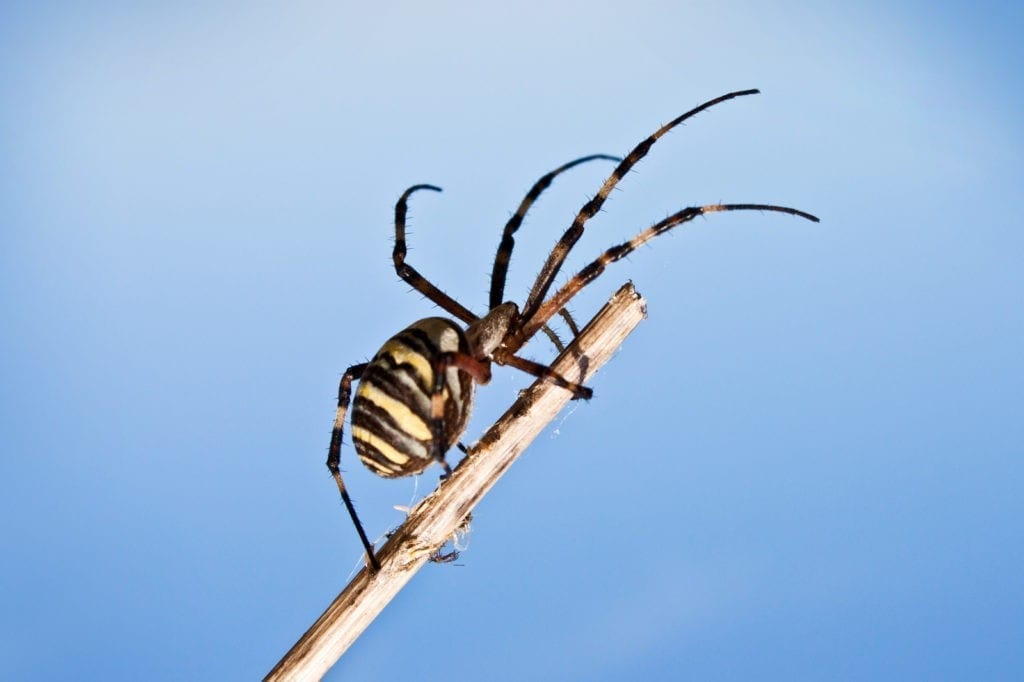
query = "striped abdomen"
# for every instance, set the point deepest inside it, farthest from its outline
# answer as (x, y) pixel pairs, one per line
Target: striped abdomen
(391, 410)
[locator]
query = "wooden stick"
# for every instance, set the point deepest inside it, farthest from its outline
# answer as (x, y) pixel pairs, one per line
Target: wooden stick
(435, 519)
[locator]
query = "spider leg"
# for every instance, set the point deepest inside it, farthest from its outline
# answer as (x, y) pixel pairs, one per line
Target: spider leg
(480, 370)
(581, 358)
(504, 255)
(558, 254)
(557, 342)
(591, 272)
(334, 458)
(410, 274)
(567, 316)
(553, 337)
(544, 372)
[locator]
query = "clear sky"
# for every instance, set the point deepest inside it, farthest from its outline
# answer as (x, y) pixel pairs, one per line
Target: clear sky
(806, 464)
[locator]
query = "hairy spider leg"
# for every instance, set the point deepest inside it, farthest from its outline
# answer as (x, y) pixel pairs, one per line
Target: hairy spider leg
(334, 457)
(593, 270)
(558, 255)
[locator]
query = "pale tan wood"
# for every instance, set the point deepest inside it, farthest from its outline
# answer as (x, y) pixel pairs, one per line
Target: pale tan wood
(436, 518)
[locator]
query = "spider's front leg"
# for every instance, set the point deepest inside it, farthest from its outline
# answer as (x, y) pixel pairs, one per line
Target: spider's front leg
(351, 374)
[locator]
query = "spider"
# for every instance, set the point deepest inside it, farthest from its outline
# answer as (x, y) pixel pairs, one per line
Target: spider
(414, 396)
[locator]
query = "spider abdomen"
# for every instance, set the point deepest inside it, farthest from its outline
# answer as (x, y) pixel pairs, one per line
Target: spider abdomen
(391, 412)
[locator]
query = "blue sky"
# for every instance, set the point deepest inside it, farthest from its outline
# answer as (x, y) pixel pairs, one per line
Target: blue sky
(806, 464)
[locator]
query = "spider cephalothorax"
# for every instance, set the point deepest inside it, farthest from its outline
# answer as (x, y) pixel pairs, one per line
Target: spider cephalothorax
(414, 396)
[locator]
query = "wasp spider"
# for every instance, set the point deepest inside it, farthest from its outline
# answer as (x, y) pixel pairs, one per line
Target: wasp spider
(414, 397)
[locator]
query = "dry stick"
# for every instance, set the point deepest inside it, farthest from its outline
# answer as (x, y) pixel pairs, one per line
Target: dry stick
(436, 518)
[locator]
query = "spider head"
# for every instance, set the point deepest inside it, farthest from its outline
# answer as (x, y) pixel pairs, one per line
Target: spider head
(487, 334)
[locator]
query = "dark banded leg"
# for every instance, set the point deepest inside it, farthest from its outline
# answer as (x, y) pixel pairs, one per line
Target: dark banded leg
(553, 337)
(594, 270)
(544, 372)
(567, 316)
(410, 274)
(582, 360)
(561, 250)
(504, 255)
(334, 458)
(481, 373)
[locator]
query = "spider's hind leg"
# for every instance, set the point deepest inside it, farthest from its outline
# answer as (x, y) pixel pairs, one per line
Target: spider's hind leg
(353, 373)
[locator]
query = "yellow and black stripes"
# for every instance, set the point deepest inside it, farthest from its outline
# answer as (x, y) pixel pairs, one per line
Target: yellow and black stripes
(394, 425)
